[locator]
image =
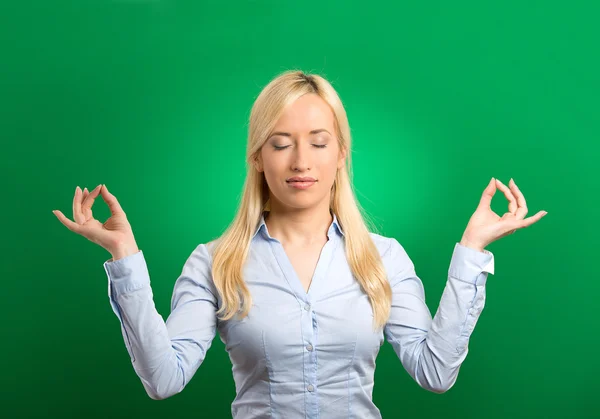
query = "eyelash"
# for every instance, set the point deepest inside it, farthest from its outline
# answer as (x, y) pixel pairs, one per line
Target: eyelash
(282, 148)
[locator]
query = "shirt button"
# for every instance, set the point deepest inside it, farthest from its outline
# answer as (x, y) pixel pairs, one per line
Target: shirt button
(307, 307)
(309, 347)
(310, 387)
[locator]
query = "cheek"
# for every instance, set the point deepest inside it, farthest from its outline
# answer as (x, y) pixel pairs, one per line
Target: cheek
(274, 166)
(329, 165)
(273, 171)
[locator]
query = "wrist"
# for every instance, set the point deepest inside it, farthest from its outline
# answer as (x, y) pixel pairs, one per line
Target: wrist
(123, 251)
(470, 245)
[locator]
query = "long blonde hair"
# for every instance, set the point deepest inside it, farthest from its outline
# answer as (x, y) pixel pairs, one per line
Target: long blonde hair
(231, 248)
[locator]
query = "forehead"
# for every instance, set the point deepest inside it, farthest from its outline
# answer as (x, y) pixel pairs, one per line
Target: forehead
(306, 113)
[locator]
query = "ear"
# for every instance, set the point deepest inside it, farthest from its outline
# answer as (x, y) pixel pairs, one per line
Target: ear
(342, 159)
(257, 162)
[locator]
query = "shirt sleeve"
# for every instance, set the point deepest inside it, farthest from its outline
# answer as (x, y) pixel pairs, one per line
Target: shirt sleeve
(432, 350)
(164, 355)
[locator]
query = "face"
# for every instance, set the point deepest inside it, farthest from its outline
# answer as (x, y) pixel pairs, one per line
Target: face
(303, 143)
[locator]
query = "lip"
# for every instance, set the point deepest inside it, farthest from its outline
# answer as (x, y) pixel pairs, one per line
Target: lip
(301, 185)
(301, 179)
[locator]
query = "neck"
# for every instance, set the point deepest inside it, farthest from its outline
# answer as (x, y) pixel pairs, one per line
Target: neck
(301, 227)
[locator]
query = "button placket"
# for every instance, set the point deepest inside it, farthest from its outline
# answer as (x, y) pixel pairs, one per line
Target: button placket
(310, 358)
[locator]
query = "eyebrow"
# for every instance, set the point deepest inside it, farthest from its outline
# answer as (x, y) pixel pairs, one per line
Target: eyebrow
(287, 134)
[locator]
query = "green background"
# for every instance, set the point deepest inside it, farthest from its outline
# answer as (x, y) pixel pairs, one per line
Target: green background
(153, 98)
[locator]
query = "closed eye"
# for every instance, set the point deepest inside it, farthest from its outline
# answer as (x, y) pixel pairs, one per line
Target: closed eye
(316, 145)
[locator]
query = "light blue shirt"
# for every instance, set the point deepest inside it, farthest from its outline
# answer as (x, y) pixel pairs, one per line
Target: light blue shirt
(299, 354)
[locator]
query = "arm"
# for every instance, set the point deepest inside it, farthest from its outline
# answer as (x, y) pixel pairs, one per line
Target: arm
(432, 350)
(165, 356)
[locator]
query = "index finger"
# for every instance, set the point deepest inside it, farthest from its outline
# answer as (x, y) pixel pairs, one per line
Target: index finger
(88, 202)
(522, 210)
(512, 202)
(111, 201)
(77, 214)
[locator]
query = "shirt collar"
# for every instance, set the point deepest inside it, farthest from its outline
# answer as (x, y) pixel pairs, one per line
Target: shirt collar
(262, 225)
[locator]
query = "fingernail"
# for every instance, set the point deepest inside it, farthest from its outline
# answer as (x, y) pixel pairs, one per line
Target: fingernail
(544, 212)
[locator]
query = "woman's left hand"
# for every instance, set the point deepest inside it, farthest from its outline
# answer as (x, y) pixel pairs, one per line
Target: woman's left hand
(485, 226)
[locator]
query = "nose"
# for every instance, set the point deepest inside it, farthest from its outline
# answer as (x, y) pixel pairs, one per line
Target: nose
(300, 157)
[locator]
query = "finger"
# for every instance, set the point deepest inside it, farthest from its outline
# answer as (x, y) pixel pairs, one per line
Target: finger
(88, 202)
(74, 227)
(512, 202)
(83, 198)
(77, 214)
(522, 210)
(488, 194)
(111, 201)
(533, 219)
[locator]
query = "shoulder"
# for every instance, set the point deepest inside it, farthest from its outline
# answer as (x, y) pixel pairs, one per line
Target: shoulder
(210, 247)
(386, 245)
(393, 255)
(203, 252)
(200, 253)
(198, 264)
(201, 258)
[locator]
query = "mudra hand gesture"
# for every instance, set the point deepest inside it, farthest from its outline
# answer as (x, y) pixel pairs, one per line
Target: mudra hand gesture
(485, 226)
(114, 234)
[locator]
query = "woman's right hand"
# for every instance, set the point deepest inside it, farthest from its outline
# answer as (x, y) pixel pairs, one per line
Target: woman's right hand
(114, 234)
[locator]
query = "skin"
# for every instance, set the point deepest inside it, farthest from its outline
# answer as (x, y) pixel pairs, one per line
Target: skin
(485, 226)
(300, 217)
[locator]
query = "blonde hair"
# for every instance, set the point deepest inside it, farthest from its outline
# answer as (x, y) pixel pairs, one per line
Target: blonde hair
(231, 248)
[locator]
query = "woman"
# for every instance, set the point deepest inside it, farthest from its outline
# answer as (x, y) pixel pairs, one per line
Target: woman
(299, 289)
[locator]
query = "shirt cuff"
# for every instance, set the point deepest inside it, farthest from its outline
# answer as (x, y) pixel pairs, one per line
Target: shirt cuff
(127, 274)
(470, 265)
